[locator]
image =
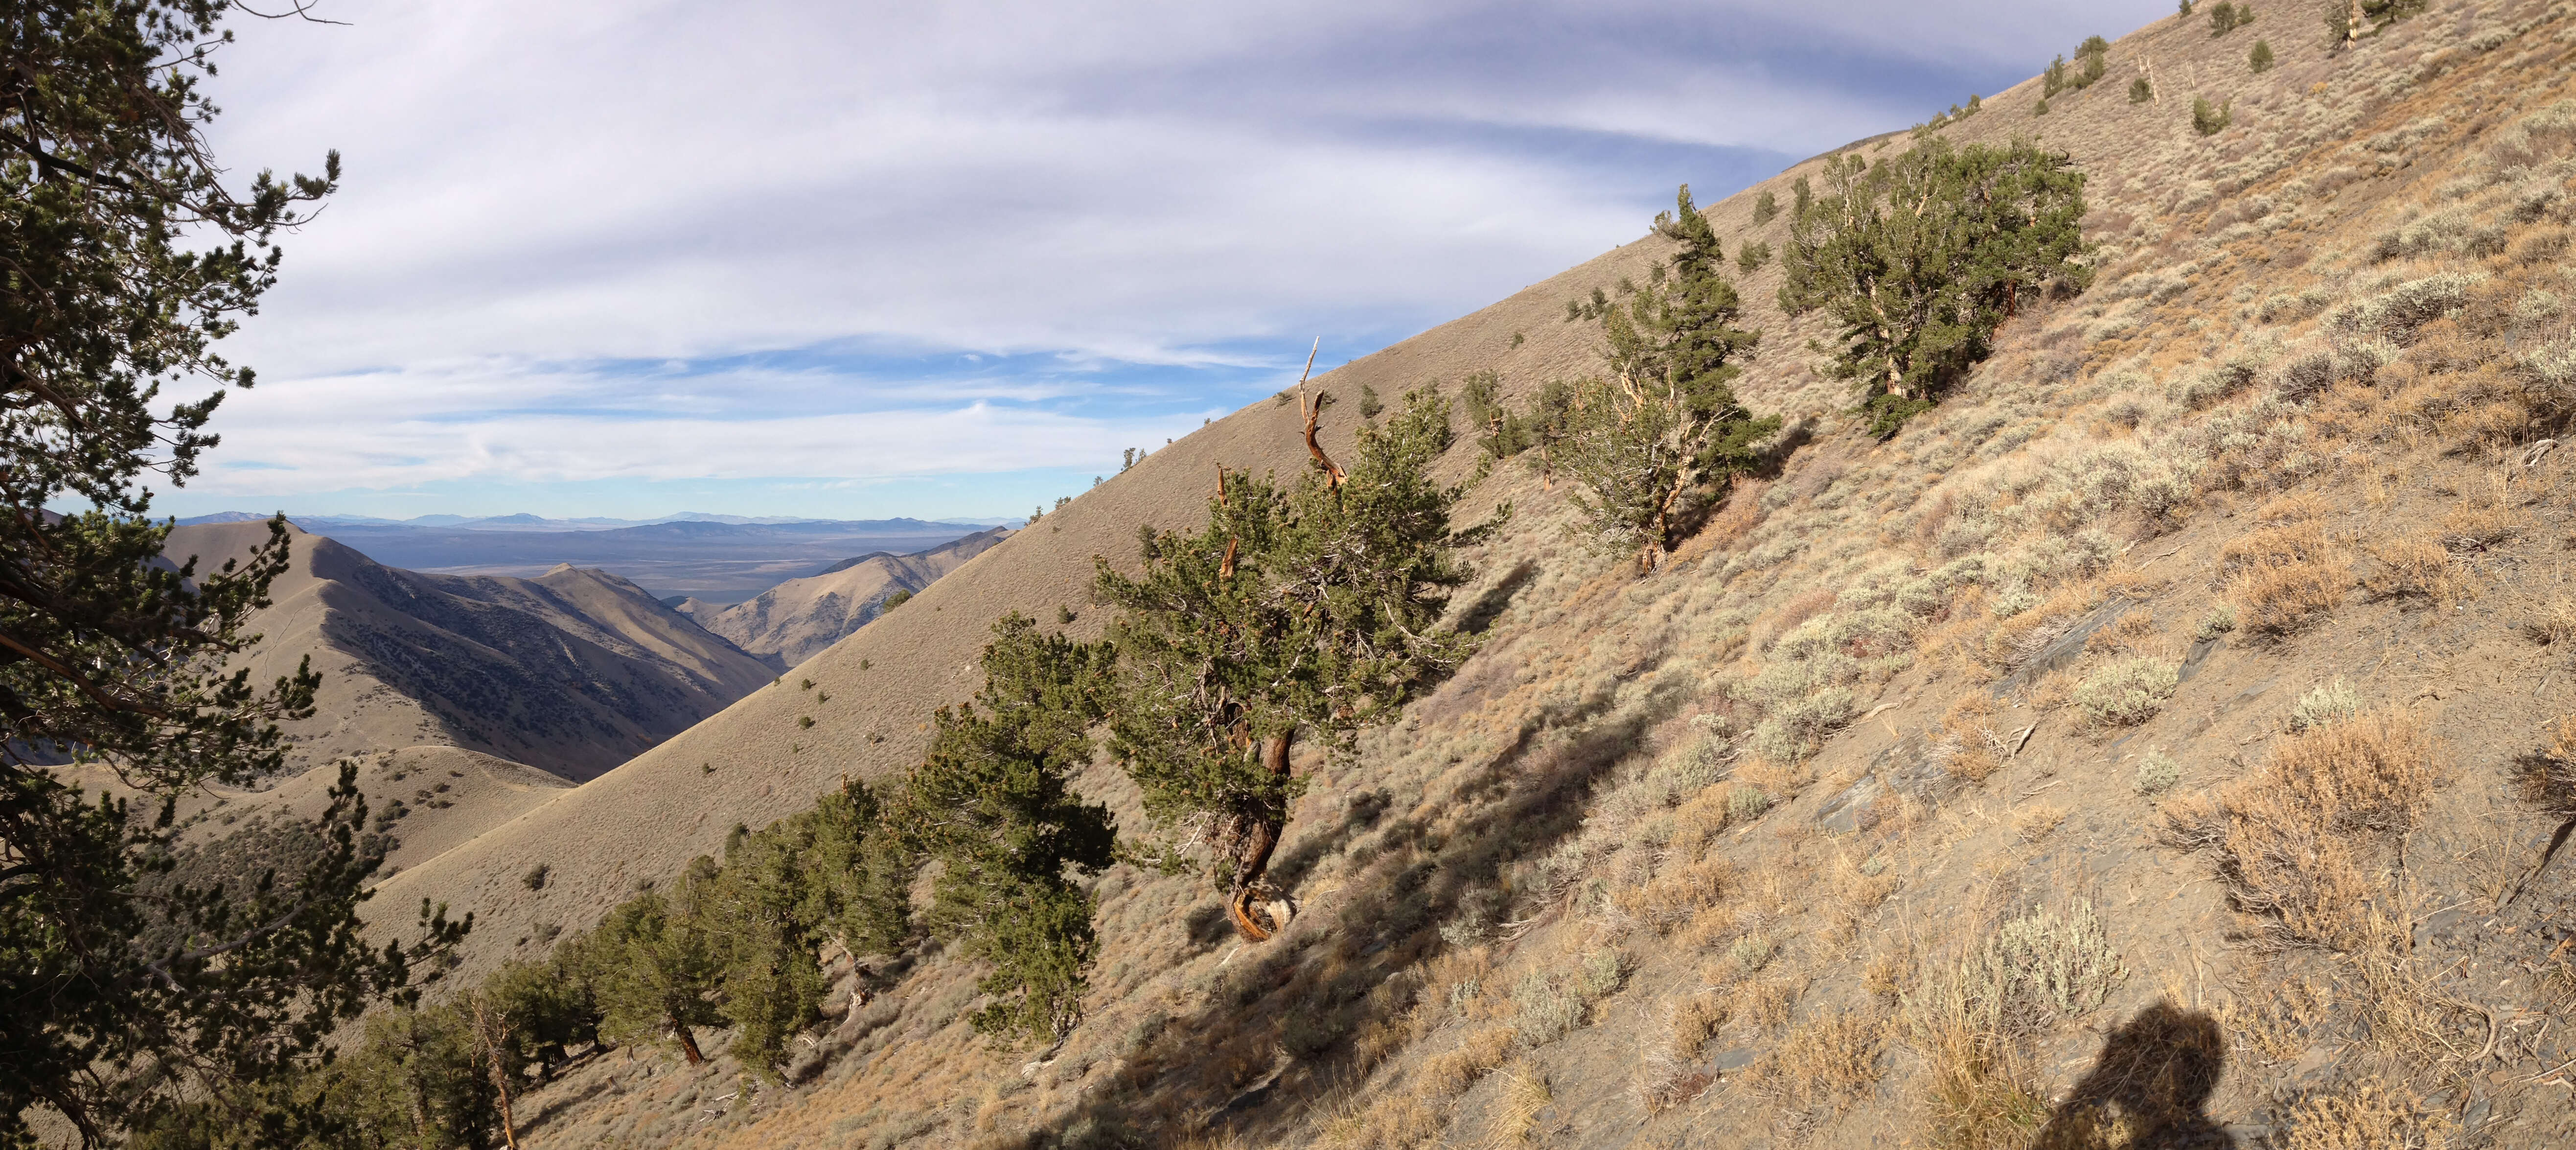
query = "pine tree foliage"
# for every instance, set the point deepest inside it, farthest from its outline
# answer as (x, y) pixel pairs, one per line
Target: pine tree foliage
(658, 966)
(1920, 258)
(760, 916)
(1664, 432)
(993, 804)
(1506, 433)
(1308, 609)
(141, 979)
(2210, 119)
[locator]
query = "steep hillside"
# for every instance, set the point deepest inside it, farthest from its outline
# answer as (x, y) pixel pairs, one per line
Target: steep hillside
(788, 623)
(2160, 743)
(573, 672)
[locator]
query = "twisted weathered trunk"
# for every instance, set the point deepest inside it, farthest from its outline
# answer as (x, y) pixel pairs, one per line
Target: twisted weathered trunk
(493, 1032)
(1255, 861)
(688, 1042)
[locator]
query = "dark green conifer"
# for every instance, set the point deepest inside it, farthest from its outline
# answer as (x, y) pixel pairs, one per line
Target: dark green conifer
(143, 979)
(657, 969)
(1309, 610)
(1663, 432)
(1918, 260)
(993, 804)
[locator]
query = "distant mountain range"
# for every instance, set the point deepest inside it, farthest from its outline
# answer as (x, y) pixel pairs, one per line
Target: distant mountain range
(791, 622)
(524, 521)
(717, 559)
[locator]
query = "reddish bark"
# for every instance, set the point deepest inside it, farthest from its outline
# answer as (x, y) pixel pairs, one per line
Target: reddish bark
(1255, 862)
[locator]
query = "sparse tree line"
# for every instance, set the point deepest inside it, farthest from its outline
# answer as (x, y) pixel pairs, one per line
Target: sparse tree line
(1916, 260)
(1301, 611)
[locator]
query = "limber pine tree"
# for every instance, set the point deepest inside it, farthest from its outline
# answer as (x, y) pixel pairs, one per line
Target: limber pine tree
(993, 804)
(1919, 259)
(1663, 432)
(659, 970)
(138, 990)
(1298, 610)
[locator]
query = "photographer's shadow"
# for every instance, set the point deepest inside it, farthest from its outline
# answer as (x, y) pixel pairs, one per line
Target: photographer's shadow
(2150, 1088)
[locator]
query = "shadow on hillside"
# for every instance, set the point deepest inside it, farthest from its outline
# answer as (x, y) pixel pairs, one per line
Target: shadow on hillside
(1274, 1036)
(1480, 615)
(2157, 1073)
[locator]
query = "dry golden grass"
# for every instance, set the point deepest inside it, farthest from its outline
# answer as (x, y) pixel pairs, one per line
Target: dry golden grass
(1973, 745)
(2013, 641)
(2294, 844)
(1979, 1091)
(2131, 634)
(1525, 1094)
(2296, 507)
(1824, 1062)
(1450, 1072)
(2053, 690)
(2480, 526)
(2278, 598)
(2553, 622)
(1668, 1073)
(2372, 1114)
(1855, 886)
(2413, 566)
(1706, 929)
(1768, 1002)
(1741, 514)
(2036, 821)
(1392, 1121)
(2276, 545)
(1778, 780)
(1677, 897)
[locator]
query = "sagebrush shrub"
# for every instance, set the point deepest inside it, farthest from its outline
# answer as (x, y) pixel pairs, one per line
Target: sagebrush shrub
(2157, 773)
(2043, 968)
(2326, 704)
(2126, 692)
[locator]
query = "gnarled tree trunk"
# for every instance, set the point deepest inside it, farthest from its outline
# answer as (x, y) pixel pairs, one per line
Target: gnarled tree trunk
(1254, 862)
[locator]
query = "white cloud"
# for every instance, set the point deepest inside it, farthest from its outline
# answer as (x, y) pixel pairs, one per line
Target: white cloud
(536, 189)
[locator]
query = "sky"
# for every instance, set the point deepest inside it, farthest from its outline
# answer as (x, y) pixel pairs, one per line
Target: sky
(859, 260)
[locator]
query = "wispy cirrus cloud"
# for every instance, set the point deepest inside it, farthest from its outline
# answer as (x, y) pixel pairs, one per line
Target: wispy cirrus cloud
(586, 243)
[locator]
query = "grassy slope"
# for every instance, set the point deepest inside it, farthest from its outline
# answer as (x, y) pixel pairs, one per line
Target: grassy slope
(1593, 893)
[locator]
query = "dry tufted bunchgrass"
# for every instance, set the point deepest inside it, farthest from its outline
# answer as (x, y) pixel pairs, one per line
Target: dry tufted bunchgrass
(2553, 622)
(1824, 1062)
(2413, 565)
(1983, 1093)
(2371, 1114)
(2274, 599)
(1524, 1096)
(2296, 834)
(1450, 1072)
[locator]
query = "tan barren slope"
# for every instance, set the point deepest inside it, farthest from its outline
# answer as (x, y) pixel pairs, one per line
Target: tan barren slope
(790, 622)
(573, 672)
